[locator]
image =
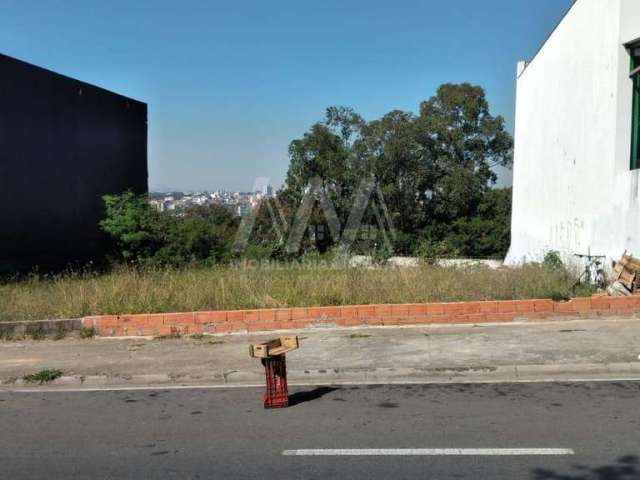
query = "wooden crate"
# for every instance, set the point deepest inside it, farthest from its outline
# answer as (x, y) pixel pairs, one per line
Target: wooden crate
(630, 263)
(626, 271)
(272, 348)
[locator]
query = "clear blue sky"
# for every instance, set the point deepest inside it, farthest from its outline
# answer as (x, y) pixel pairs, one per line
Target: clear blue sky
(230, 84)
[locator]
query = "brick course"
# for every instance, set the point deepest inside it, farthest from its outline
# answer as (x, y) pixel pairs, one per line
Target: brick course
(359, 315)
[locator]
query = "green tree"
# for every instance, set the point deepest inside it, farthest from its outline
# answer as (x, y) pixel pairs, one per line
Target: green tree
(435, 169)
(146, 236)
(388, 150)
(326, 151)
(138, 229)
(486, 233)
(463, 143)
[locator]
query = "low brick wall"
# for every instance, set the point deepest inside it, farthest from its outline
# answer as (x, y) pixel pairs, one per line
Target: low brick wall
(358, 315)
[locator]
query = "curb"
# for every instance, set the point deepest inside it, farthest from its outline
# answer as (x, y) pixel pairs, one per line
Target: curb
(363, 376)
(40, 327)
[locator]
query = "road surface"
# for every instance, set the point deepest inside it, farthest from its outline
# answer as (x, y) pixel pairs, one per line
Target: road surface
(580, 431)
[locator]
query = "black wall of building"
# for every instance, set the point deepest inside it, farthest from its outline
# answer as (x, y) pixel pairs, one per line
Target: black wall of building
(63, 145)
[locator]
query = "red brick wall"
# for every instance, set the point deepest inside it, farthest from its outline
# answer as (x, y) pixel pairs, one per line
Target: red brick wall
(358, 315)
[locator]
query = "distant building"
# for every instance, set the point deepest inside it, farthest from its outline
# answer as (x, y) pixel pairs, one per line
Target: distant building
(63, 145)
(576, 177)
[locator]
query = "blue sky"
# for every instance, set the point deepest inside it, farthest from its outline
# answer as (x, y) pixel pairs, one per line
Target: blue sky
(230, 84)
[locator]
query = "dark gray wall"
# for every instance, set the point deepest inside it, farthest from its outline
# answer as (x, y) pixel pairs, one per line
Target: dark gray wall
(63, 145)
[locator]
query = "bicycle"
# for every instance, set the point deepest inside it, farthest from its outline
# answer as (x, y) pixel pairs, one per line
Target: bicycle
(593, 274)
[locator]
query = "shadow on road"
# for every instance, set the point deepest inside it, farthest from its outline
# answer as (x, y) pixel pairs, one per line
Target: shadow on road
(626, 468)
(301, 397)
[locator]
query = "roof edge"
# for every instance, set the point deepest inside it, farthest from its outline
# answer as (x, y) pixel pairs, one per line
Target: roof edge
(546, 40)
(17, 60)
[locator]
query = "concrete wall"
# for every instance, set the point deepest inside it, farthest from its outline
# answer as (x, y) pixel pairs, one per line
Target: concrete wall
(573, 188)
(63, 145)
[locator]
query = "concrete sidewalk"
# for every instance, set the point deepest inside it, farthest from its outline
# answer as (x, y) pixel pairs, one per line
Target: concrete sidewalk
(541, 351)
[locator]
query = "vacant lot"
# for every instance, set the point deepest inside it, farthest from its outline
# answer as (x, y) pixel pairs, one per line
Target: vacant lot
(128, 290)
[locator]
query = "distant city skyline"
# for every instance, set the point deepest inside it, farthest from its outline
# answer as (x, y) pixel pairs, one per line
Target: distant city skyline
(229, 85)
(259, 184)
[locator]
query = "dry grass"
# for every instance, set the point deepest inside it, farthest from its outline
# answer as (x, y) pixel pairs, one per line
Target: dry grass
(134, 291)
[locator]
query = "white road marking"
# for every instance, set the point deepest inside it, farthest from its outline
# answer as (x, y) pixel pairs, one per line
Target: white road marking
(428, 451)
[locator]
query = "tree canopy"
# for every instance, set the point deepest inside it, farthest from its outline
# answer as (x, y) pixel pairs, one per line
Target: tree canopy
(434, 169)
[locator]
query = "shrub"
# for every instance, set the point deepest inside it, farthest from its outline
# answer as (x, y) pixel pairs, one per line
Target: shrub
(558, 296)
(86, 332)
(552, 261)
(381, 253)
(430, 251)
(146, 236)
(137, 228)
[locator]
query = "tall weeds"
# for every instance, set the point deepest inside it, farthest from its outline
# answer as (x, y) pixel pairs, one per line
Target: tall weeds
(129, 290)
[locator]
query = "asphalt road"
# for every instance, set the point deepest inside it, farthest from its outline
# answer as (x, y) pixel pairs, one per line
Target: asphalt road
(226, 434)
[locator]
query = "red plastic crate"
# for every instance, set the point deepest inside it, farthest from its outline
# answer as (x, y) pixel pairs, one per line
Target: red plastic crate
(276, 394)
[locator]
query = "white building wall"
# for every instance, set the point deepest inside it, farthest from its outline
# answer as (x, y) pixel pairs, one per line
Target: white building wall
(573, 190)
